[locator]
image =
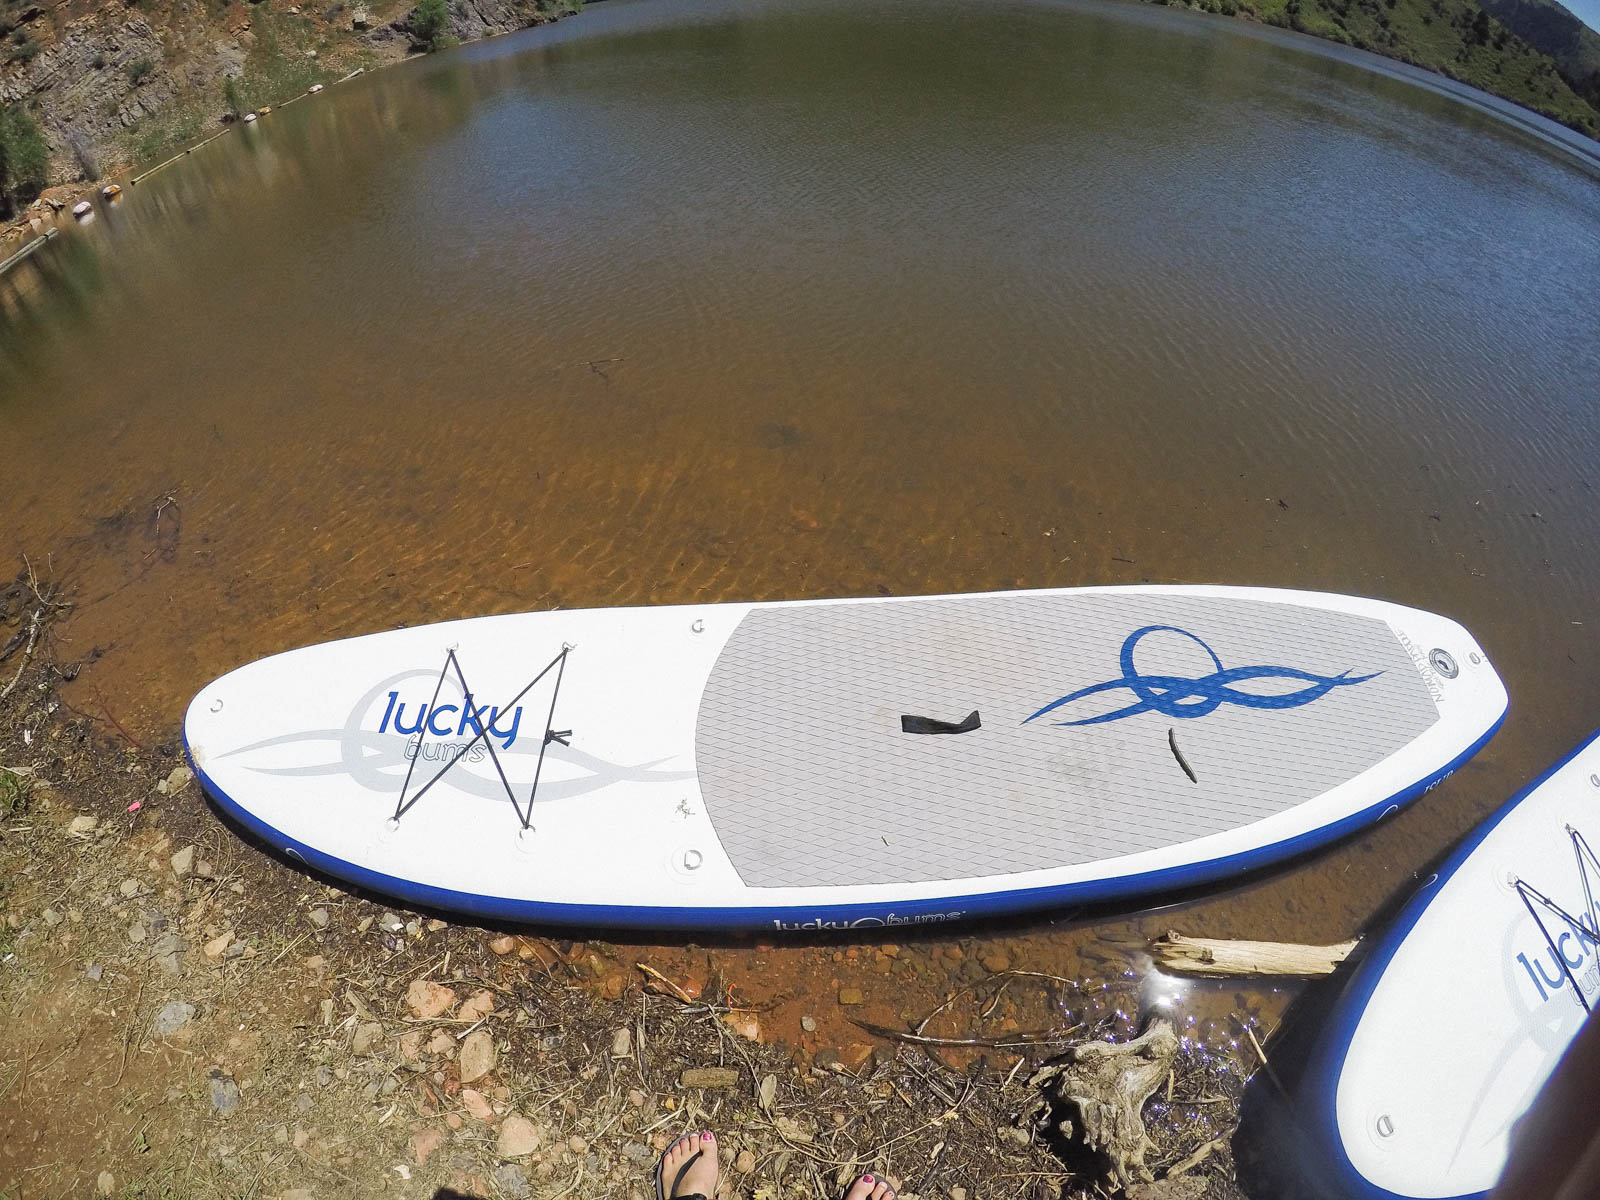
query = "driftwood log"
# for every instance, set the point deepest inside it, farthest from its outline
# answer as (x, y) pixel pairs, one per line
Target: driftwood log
(1095, 1092)
(1216, 957)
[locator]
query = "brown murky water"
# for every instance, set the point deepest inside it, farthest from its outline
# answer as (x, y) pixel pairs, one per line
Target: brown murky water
(697, 301)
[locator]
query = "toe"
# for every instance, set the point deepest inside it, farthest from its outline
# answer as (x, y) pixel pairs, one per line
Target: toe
(677, 1154)
(862, 1188)
(886, 1188)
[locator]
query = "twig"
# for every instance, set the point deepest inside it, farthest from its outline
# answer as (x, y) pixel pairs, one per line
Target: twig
(27, 655)
(1027, 1038)
(1199, 1156)
(673, 989)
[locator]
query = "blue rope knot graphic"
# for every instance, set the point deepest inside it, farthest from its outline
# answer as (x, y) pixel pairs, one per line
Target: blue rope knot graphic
(1178, 696)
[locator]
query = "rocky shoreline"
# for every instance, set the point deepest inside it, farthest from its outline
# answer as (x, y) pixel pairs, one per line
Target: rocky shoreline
(186, 1015)
(114, 87)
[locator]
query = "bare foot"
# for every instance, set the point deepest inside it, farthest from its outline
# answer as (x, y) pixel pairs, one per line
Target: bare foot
(701, 1177)
(873, 1187)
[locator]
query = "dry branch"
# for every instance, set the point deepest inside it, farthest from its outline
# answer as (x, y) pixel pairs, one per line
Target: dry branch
(1219, 957)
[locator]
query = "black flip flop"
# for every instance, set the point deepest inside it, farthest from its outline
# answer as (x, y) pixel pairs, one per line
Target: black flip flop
(665, 1193)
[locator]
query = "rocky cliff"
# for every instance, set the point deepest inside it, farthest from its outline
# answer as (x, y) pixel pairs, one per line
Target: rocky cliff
(111, 84)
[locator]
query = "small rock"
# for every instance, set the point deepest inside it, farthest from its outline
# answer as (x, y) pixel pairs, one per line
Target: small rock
(995, 961)
(136, 932)
(167, 951)
(767, 1091)
(478, 1055)
(51, 917)
(424, 1142)
(218, 946)
(958, 1193)
(296, 1193)
(453, 1121)
(441, 1043)
(745, 1024)
(319, 917)
(178, 778)
(414, 927)
(173, 1017)
(360, 19)
(225, 1096)
(745, 1163)
(390, 923)
(504, 944)
(427, 999)
(129, 888)
(364, 924)
(83, 826)
(809, 1024)
(476, 1006)
(851, 995)
(636, 1097)
(324, 1076)
(411, 1045)
(435, 925)
(303, 1102)
(474, 1102)
(368, 1034)
(95, 972)
(509, 1179)
(577, 1145)
(105, 1184)
(204, 869)
(518, 1136)
(622, 1043)
(709, 1077)
(183, 863)
(301, 1138)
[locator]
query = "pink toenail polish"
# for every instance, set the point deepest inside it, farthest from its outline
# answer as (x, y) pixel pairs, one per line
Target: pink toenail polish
(866, 1179)
(705, 1137)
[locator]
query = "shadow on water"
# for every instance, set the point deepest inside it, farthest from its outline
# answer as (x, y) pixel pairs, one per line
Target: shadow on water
(1282, 1145)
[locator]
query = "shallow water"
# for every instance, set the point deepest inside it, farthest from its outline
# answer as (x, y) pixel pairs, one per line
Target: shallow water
(695, 301)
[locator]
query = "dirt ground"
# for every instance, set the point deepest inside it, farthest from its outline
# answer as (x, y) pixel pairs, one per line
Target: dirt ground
(187, 1016)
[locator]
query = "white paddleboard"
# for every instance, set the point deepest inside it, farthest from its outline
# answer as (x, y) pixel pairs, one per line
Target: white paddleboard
(1457, 1017)
(842, 763)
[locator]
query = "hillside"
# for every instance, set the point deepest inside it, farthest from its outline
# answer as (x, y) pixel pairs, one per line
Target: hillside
(1456, 38)
(121, 83)
(1551, 29)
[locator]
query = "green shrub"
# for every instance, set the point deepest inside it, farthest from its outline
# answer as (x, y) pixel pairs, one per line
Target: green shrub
(430, 21)
(24, 156)
(140, 69)
(231, 97)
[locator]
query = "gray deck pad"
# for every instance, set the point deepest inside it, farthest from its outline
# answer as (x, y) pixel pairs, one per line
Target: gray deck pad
(810, 780)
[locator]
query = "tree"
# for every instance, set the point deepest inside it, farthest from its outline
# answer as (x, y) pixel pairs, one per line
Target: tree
(430, 21)
(24, 156)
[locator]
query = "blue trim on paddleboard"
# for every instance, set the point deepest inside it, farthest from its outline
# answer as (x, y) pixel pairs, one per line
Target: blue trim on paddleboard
(1321, 1079)
(910, 913)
